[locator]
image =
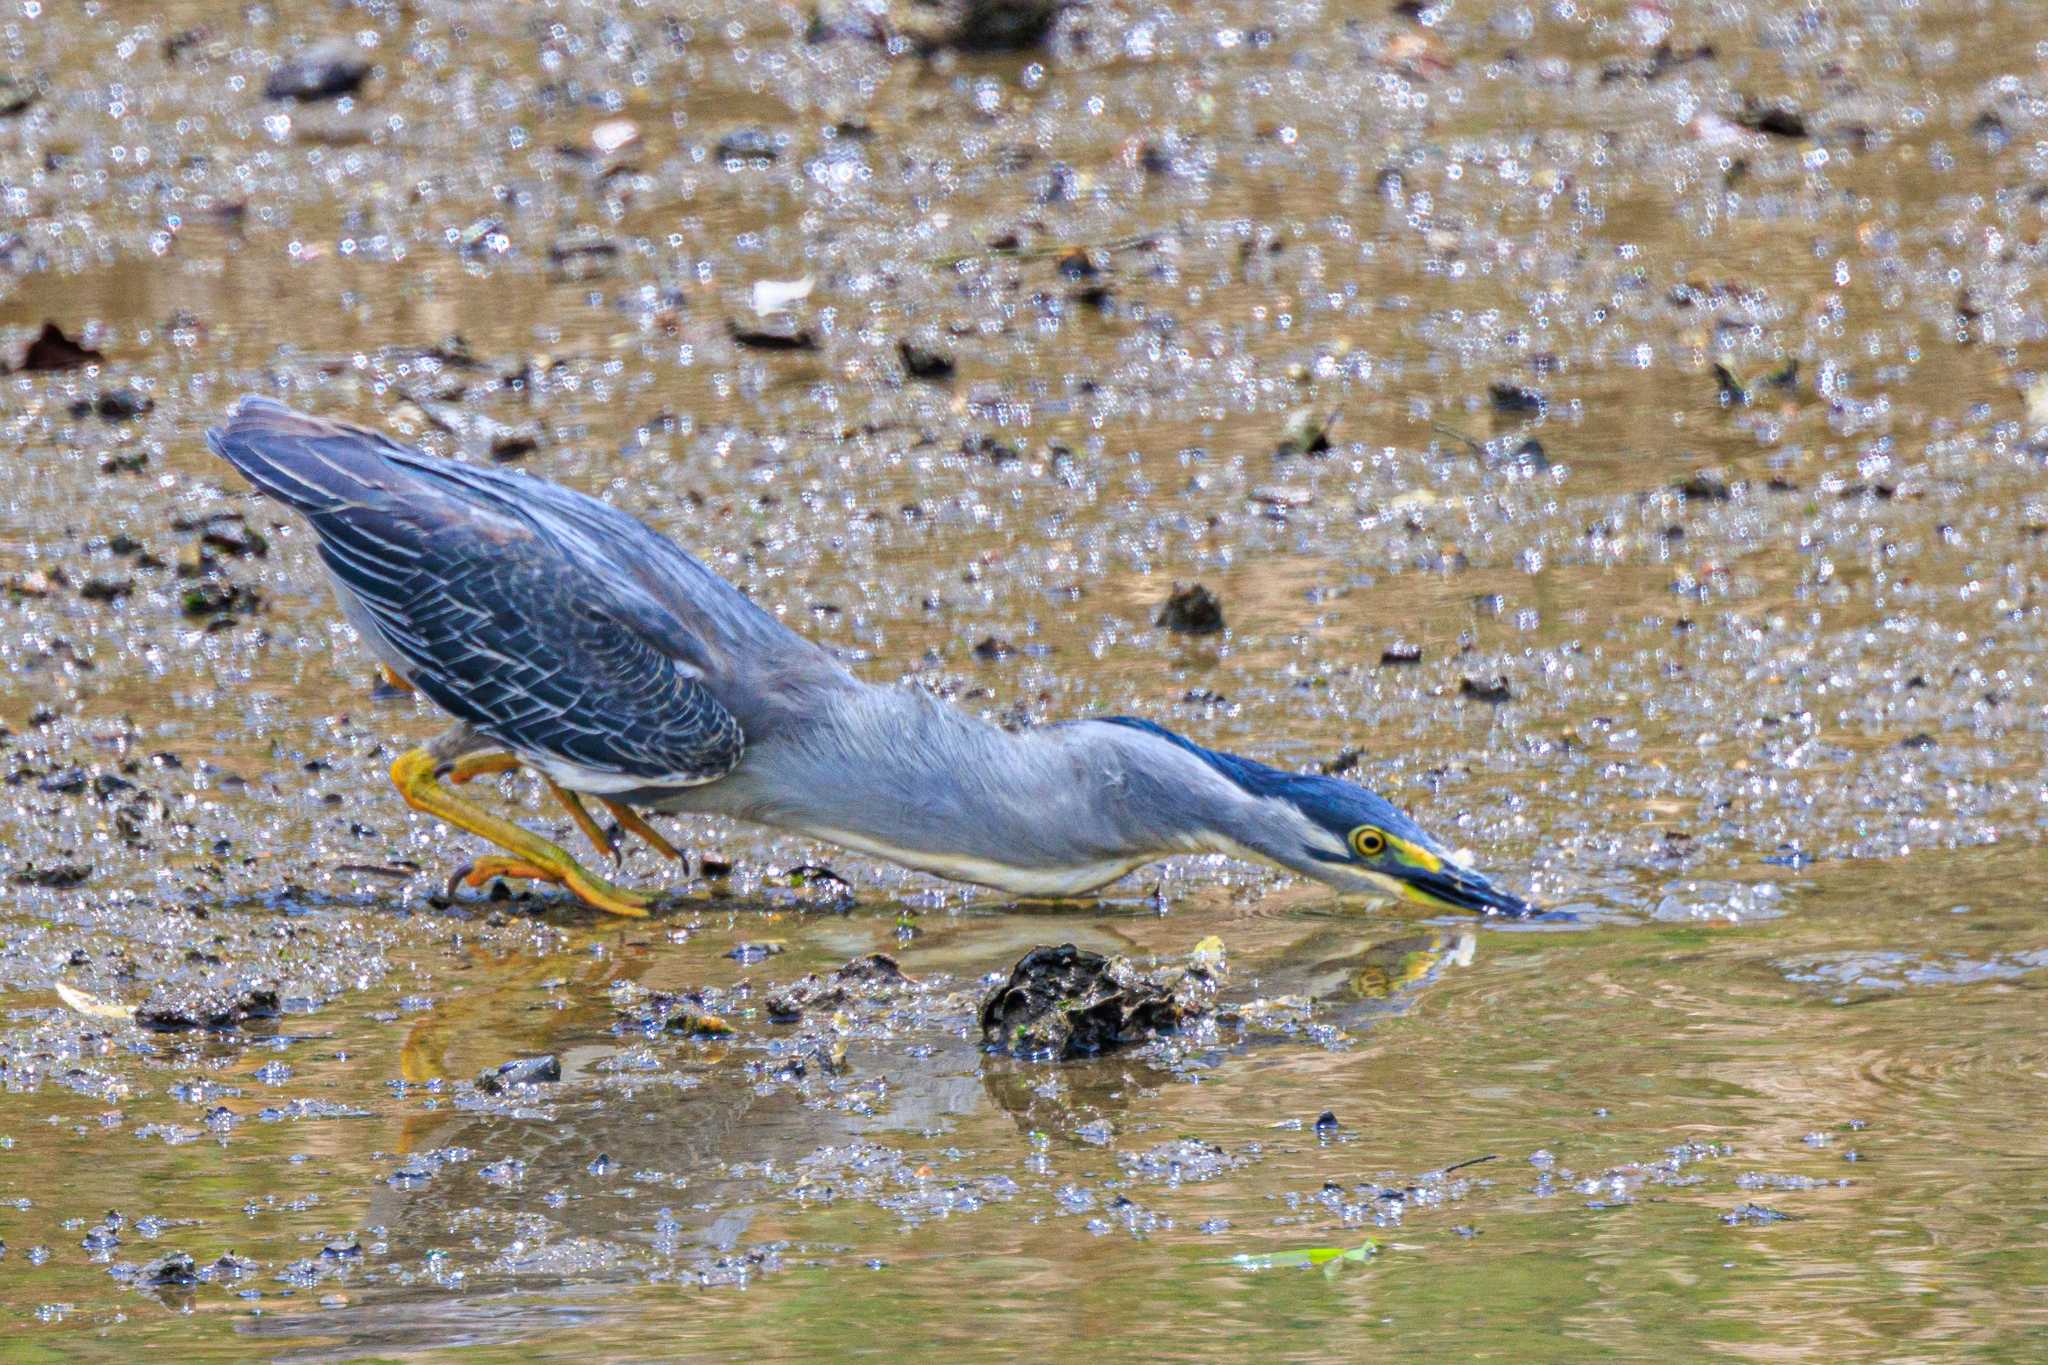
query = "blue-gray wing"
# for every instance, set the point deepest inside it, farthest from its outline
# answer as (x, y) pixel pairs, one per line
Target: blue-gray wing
(502, 627)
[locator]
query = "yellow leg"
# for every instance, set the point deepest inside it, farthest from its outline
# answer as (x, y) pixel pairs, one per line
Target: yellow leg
(630, 819)
(472, 766)
(533, 856)
(582, 818)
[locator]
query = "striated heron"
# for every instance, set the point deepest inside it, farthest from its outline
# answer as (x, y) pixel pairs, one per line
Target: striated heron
(565, 636)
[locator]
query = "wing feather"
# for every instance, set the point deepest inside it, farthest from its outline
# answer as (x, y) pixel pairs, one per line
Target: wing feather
(522, 636)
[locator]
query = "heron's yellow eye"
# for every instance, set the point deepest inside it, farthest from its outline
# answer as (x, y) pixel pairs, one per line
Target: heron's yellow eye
(1369, 842)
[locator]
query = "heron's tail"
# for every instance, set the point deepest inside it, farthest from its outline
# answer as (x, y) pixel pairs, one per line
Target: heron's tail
(308, 462)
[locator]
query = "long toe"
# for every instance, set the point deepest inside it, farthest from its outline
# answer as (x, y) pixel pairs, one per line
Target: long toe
(614, 900)
(480, 872)
(591, 890)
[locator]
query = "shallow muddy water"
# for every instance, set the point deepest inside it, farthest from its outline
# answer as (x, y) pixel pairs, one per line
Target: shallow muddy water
(1771, 643)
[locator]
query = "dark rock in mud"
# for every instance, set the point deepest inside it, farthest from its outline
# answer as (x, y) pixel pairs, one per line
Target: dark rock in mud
(520, 1071)
(1493, 693)
(930, 27)
(54, 876)
(1992, 131)
(1778, 120)
(172, 1270)
(992, 650)
(876, 974)
(515, 443)
(748, 144)
(221, 602)
(1065, 1002)
(1003, 25)
(67, 782)
(1515, 398)
(17, 96)
(1191, 611)
(984, 447)
(177, 44)
(216, 1010)
(872, 971)
(1704, 487)
(1326, 1123)
(52, 350)
(113, 405)
(1098, 296)
(1400, 656)
(236, 540)
(1732, 390)
(922, 362)
(778, 337)
(977, 26)
(326, 73)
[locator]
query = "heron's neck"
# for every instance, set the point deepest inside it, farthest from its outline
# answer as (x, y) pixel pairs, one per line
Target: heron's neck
(895, 771)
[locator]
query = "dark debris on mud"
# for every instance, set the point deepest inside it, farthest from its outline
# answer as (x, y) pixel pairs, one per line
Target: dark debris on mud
(874, 976)
(518, 1072)
(1191, 610)
(1065, 1003)
(223, 1006)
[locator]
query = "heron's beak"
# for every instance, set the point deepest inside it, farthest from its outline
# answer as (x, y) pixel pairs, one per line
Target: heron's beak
(1451, 887)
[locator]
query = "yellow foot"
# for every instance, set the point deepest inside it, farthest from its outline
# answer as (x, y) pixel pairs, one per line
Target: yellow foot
(590, 890)
(532, 857)
(472, 766)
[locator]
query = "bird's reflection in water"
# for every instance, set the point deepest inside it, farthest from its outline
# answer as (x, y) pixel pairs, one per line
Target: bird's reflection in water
(1341, 969)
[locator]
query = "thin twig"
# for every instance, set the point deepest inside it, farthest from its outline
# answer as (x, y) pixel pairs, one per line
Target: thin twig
(1035, 253)
(1440, 429)
(1475, 1161)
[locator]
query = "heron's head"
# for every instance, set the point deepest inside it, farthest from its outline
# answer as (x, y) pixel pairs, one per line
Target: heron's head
(1358, 841)
(1336, 832)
